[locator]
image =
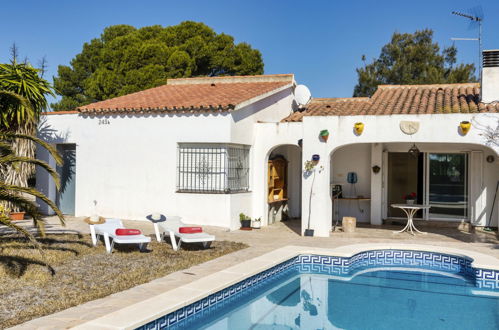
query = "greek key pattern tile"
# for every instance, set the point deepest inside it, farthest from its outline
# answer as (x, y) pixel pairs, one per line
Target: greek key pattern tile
(420, 259)
(332, 265)
(487, 278)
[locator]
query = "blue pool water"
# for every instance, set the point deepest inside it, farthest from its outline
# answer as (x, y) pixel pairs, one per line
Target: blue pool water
(376, 298)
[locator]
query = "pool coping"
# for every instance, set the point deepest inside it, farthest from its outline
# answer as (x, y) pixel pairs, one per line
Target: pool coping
(151, 309)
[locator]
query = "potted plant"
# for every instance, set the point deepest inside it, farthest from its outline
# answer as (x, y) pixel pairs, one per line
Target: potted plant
(410, 198)
(358, 128)
(16, 215)
(257, 223)
(308, 166)
(245, 221)
(324, 135)
(12, 215)
(465, 126)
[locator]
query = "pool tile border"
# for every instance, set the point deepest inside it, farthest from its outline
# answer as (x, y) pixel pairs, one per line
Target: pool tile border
(345, 266)
(346, 260)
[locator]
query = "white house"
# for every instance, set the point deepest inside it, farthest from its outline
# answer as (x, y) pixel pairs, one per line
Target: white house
(184, 148)
(208, 149)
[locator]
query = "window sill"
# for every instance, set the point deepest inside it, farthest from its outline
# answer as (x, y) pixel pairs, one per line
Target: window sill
(212, 192)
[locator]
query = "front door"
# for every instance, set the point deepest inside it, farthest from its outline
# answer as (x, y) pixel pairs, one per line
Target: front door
(67, 172)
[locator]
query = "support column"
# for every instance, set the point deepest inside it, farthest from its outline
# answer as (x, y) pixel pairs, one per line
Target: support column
(376, 184)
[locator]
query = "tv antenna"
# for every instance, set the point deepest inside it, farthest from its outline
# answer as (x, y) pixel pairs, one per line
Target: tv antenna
(475, 15)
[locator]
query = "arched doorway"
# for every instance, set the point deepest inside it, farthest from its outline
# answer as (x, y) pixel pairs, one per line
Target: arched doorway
(283, 188)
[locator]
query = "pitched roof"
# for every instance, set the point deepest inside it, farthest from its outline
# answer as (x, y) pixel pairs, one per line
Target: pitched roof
(402, 99)
(194, 94)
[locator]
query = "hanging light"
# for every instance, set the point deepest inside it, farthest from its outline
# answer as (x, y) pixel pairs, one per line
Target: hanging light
(414, 151)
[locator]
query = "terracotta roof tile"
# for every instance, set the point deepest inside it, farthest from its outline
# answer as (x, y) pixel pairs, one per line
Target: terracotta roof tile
(402, 99)
(195, 94)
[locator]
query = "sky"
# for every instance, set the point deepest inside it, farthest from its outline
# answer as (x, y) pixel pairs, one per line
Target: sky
(321, 42)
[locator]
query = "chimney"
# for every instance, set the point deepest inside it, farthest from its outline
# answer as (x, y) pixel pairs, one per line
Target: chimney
(490, 76)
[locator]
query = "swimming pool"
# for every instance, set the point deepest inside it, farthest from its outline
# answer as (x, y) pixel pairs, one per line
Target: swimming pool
(380, 289)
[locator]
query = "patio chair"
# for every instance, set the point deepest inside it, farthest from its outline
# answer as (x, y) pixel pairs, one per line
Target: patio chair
(171, 226)
(108, 231)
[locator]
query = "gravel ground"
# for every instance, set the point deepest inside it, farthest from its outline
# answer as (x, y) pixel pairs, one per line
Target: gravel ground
(80, 272)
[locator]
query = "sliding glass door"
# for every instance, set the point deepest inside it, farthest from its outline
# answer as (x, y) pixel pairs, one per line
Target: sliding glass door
(439, 180)
(446, 185)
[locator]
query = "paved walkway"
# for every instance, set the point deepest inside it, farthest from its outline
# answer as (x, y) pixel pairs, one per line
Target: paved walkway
(260, 241)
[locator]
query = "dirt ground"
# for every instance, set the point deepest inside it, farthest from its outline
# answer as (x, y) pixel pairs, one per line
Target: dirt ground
(79, 272)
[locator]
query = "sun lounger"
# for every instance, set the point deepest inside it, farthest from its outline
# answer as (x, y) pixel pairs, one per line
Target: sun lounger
(108, 231)
(171, 227)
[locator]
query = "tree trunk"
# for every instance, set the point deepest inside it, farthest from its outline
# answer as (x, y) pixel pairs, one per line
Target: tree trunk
(18, 173)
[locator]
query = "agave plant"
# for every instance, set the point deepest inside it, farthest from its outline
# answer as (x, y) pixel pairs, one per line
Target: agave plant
(16, 195)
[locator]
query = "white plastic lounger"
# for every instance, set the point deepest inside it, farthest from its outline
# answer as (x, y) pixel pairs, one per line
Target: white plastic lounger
(171, 227)
(108, 230)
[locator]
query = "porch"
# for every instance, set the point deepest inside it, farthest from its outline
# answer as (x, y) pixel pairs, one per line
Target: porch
(458, 181)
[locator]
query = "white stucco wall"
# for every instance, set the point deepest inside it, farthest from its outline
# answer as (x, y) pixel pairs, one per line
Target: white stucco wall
(441, 129)
(129, 165)
(490, 83)
(353, 158)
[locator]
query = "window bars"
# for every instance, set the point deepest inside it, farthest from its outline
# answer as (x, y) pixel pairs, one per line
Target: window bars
(212, 168)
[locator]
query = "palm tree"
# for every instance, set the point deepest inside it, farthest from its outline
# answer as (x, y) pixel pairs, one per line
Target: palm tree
(14, 194)
(22, 99)
(19, 113)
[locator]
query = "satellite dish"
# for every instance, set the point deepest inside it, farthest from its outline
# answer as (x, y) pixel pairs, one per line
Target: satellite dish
(302, 95)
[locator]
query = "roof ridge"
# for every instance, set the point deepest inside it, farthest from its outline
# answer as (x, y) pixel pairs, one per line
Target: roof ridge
(389, 86)
(232, 79)
(326, 99)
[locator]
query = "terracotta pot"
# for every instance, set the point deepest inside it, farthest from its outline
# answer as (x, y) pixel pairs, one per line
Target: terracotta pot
(324, 135)
(465, 126)
(16, 215)
(359, 128)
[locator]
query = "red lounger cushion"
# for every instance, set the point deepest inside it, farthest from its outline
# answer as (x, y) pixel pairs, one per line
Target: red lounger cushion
(124, 232)
(190, 230)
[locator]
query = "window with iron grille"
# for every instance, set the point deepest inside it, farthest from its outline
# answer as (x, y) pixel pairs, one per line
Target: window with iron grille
(212, 168)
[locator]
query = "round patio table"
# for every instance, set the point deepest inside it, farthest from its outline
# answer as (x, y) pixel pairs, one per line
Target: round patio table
(410, 210)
